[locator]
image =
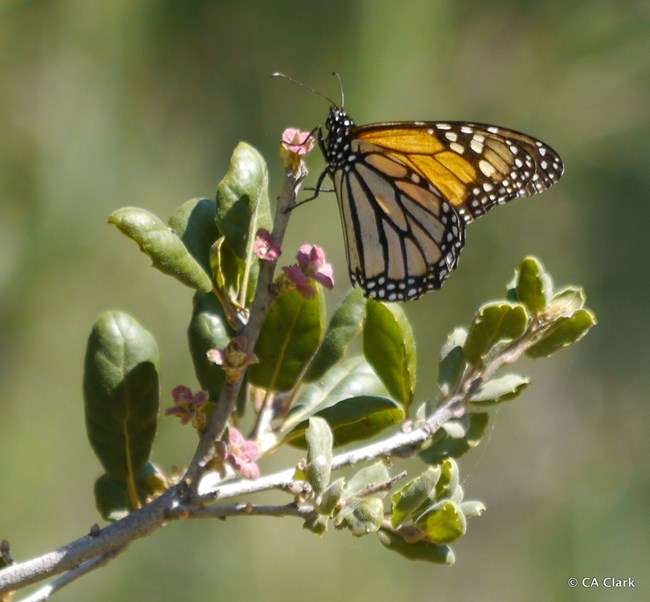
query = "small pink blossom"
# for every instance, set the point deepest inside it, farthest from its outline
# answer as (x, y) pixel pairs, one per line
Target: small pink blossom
(295, 146)
(233, 359)
(300, 281)
(186, 403)
(311, 266)
(264, 247)
(311, 260)
(242, 454)
(297, 141)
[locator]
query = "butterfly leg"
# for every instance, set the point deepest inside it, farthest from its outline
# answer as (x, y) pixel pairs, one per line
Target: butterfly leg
(317, 190)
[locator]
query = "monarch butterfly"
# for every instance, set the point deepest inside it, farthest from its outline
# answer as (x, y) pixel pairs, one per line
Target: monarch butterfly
(407, 190)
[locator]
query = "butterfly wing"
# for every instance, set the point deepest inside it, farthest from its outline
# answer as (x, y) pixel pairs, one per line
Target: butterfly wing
(406, 190)
(402, 237)
(474, 166)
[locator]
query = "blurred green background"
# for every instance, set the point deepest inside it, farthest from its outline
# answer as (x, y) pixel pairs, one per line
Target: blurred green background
(112, 103)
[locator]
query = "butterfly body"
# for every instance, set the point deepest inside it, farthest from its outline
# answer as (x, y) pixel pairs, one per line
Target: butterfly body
(407, 190)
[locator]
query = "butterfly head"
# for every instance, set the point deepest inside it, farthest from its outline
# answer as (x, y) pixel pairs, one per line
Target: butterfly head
(339, 134)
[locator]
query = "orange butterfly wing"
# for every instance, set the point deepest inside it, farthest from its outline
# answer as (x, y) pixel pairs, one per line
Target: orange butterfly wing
(406, 190)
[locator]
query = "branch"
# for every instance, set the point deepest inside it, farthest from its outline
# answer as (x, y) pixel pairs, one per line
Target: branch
(263, 298)
(401, 444)
(45, 592)
(112, 538)
(301, 511)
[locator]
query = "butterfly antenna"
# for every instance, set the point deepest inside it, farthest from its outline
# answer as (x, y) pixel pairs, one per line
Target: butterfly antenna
(300, 84)
(338, 76)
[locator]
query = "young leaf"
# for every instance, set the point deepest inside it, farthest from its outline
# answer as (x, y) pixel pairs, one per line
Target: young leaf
(448, 444)
(563, 333)
(408, 499)
(230, 272)
(494, 322)
(353, 419)
(567, 301)
(290, 334)
(443, 523)
(389, 347)
(331, 497)
(420, 550)
(534, 285)
(343, 327)
(319, 454)
(472, 508)
(367, 477)
(162, 245)
(500, 389)
(193, 222)
(362, 516)
(452, 361)
(121, 394)
(316, 524)
(448, 481)
(208, 329)
(242, 200)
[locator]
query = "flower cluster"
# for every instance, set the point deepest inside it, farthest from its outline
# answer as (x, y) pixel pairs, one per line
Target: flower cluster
(264, 247)
(240, 453)
(233, 359)
(295, 145)
(311, 266)
(186, 404)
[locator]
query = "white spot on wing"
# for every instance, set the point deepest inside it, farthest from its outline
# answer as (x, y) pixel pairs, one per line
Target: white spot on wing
(487, 169)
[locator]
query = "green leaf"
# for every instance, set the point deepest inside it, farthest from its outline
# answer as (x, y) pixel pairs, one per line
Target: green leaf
(420, 550)
(353, 419)
(121, 393)
(194, 223)
(111, 498)
(448, 481)
(389, 347)
(472, 508)
(112, 495)
(493, 323)
(166, 250)
(230, 272)
(319, 454)
(347, 379)
(331, 497)
(534, 285)
(343, 327)
(242, 200)
(208, 329)
(563, 333)
(500, 389)
(316, 524)
(368, 476)
(408, 499)
(452, 361)
(567, 301)
(362, 516)
(443, 523)
(291, 332)
(449, 443)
